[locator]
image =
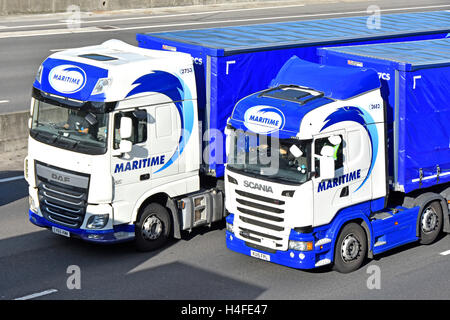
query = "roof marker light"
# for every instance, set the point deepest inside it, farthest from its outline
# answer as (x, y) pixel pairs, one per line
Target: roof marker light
(101, 86)
(39, 74)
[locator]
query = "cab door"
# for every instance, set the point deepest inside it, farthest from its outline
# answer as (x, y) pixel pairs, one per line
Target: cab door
(333, 194)
(164, 131)
(130, 168)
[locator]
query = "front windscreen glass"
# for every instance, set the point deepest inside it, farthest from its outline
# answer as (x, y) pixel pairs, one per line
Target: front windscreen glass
(74, 129)
(272, 158)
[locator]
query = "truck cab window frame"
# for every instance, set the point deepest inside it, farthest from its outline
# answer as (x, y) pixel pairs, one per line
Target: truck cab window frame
(319, 143)
(139, 130)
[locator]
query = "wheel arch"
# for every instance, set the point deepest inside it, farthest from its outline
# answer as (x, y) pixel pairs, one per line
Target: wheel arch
(166, 201)
(359, 219)
(423, 200)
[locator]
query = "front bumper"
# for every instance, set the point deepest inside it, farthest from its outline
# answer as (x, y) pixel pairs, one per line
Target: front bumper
(319, 256)
(120, 233)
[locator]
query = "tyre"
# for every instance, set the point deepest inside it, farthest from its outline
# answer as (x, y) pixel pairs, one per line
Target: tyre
(430, 223)
(350, 249)
(153, 228)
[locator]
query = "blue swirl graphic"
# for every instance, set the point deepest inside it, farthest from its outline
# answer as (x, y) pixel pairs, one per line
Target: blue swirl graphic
(175, 88)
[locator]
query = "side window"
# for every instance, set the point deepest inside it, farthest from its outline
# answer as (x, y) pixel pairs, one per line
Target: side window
(139, 132)
(338, 152)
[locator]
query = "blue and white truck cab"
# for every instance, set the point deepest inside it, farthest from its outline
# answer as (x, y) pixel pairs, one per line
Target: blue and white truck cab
(307, 179)
(113, 151)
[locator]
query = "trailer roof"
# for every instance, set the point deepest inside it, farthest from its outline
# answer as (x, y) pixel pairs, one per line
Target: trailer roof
(236, 39)
(406, 56)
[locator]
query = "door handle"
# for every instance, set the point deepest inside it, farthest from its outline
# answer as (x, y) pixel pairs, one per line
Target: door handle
(145, 176)
(344, 192)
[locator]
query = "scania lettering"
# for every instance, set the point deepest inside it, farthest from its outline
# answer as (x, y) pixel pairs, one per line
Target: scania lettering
(361, 165)
(258, 186)
(138, 131)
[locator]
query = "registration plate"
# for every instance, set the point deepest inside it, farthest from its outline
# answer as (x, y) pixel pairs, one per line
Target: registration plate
(61, 232)
(260, 255)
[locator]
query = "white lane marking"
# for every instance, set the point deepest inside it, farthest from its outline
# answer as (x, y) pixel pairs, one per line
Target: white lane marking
(445, 253)
(34, 33)
(4, 101)
(36, 295)
(64, 22)
(11, 179)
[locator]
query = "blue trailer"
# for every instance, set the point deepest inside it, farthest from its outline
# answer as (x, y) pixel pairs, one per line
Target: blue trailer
(415, 81)
(233, 62)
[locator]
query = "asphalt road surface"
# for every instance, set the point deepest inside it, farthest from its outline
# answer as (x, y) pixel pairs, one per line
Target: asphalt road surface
(36, 264)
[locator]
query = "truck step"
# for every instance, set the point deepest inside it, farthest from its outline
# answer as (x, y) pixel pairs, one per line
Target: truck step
(322, 241)
(379, 243)
(322, 262)
(380, 216)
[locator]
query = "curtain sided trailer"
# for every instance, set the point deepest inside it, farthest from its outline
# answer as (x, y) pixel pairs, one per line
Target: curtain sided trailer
(415, 78)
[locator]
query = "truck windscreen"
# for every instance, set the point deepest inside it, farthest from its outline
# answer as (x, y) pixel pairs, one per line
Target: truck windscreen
(288, 160)
(73, 129)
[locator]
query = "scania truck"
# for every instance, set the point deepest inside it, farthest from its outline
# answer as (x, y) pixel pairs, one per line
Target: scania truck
(127, 143)
(334, 163)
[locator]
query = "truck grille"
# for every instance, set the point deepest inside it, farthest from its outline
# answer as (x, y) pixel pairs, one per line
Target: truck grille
(62, 203)
(261, 219)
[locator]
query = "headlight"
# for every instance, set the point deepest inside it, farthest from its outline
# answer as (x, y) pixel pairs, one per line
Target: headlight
(32, 204)
(97, 221)
(230, 227)
(300, 245)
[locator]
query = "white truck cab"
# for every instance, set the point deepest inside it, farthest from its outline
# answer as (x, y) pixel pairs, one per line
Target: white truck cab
(113, 147)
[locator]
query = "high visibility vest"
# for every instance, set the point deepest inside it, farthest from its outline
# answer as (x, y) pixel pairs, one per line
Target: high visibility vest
(336, 148)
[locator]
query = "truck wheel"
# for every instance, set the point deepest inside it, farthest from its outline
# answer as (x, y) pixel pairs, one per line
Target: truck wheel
(350, 249)
(430, 222)
(153, 228)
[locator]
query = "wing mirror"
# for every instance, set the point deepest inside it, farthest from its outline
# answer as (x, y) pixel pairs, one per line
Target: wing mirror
(126, 128)
(125, 146)
(327, 166)
(295, 151)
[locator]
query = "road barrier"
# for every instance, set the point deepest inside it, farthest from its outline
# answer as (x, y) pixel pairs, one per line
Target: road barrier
(52, 6)
(13, 131)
